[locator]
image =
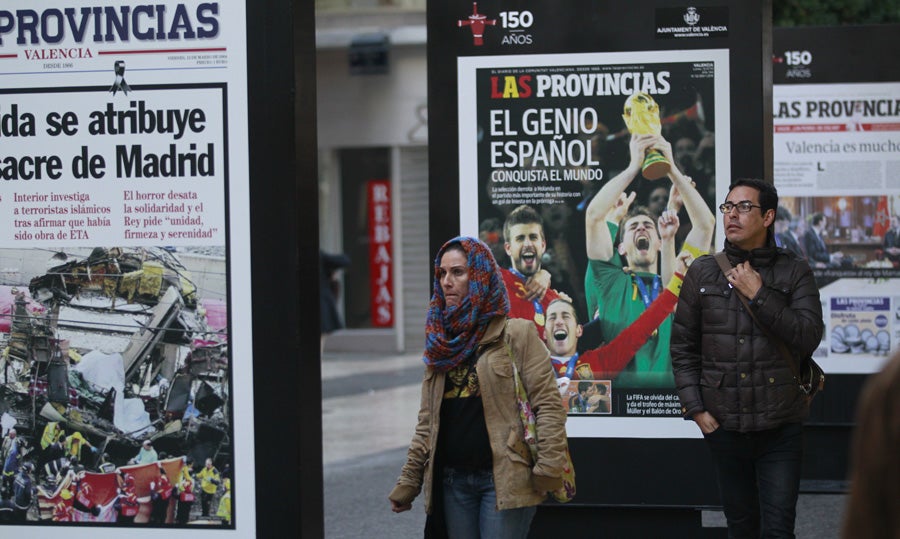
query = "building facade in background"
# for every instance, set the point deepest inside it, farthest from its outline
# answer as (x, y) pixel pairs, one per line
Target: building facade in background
(373, 167)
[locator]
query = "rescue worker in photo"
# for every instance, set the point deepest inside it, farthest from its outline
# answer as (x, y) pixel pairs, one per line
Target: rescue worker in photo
(11, 454)
(9, 442)
(23, 492)
(74, 443)
(210, 479)
(146, 455)
(185, 485)
(224, 510)
(127, 501)
(160, 493)
(84, 496)
(51, 443)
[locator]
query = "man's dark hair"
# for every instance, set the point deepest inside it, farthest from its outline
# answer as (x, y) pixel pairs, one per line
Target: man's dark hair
(567, 302)
(634, 212)
(523, 215)
(584, 386)
(782, 214)
(768, 195)
(816, 218)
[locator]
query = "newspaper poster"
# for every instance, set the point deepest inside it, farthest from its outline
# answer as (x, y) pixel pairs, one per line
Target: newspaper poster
(835, 159)
(545, 145)
(126, 366)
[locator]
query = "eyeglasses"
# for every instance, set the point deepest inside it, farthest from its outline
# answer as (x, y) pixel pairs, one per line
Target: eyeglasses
(743, 206)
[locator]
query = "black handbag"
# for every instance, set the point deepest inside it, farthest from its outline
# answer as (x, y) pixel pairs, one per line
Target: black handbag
(812, 378)
(809, 376)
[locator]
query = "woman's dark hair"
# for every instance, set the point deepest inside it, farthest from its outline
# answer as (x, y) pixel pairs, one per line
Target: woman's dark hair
(455, 247)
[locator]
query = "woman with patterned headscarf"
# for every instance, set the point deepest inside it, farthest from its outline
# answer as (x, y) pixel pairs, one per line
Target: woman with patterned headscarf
(468, 452)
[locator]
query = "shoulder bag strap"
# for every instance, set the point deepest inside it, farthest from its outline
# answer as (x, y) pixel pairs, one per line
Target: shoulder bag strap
(526, 414)
(520, 388)
(725, 265)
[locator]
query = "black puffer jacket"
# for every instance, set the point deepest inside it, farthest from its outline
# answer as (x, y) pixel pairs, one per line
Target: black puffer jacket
(723, 362)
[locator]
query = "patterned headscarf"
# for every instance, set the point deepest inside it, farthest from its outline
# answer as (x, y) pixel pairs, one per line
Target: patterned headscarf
(452, 333)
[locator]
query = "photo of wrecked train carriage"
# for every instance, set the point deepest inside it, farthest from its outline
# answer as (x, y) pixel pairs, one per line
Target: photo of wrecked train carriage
(115, 386)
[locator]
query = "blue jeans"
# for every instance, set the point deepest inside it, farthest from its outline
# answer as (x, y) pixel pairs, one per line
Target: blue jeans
(759, 479)
(470, 508)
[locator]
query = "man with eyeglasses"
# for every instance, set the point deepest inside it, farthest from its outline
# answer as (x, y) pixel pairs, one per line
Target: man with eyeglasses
(617, 298)
(731, 379)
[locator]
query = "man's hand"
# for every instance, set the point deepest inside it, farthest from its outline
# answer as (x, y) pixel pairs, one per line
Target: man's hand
(598, 243)
(536, 285)
(745, 279)
(668, 224)
(683, 262)
(638, 146)
(676, 201)
(706, 422)
(618, 212)
(665, 147)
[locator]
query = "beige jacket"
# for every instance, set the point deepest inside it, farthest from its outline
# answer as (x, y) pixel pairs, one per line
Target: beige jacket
(512, 463)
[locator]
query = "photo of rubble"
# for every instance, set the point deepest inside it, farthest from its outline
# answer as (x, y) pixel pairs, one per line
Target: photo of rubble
(115, 386)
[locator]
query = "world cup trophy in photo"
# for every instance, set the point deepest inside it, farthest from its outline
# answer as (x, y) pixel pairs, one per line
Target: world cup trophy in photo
(641, 116)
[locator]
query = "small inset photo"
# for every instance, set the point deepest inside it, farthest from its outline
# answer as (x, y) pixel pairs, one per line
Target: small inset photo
(588, 397)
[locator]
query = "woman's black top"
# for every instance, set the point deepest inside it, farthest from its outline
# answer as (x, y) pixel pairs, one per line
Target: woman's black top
(463, 438)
